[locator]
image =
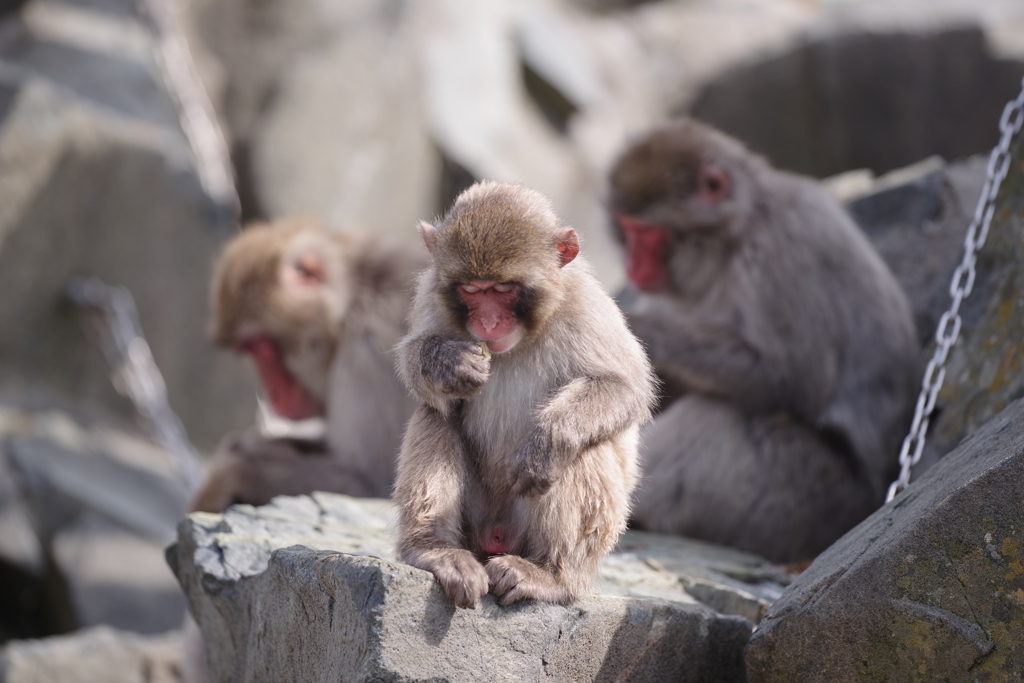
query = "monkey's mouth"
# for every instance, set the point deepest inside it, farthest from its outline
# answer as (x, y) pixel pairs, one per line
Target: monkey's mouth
(289, 399)
(504, 343)
(646, 247)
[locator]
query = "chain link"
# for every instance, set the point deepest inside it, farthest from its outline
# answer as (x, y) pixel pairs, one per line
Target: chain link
(1010, 124)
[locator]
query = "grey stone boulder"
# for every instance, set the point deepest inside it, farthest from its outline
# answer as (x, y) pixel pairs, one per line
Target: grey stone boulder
(307, 588)
(917, 218)
(85, 514)
(96, 179)
(930, 587)
(96, 655)
(860, 92)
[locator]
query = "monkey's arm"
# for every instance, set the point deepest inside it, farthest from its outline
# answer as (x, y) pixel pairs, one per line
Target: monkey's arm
(715, 359)
(584, 412)
(441, 371)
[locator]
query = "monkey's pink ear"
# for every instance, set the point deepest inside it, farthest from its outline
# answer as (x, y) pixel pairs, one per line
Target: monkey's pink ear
(429, 234)
(568, 246)
(715, 183)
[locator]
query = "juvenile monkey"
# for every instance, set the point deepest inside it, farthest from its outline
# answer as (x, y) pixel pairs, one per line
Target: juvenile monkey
(516, 471)
(790, 343)
(319, 312)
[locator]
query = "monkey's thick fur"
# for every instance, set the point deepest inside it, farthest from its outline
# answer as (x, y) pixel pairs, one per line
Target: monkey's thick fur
(334, 333)
(532, 450)
(790, 342)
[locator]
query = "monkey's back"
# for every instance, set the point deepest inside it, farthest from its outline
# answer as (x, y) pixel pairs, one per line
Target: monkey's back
(859, 328)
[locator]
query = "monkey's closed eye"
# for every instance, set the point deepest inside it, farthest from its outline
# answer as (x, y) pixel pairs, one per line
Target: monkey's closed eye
(469, 289)
(504, 287)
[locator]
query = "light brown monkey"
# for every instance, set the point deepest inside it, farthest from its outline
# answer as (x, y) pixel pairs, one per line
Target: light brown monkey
(516, 471)
(319, 312)
(790, 341)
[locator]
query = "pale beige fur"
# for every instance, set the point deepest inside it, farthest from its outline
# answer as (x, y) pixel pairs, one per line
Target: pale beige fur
(554, 419)
(337, 340)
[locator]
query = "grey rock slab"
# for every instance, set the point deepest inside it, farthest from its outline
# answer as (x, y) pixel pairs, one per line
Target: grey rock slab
(96, 179)
(879, 96)
(116, 578)
(930, 587)
(307, 588)
(96, 655)
(101, 504)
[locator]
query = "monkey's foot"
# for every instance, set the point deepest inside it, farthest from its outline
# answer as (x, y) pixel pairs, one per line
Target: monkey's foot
(460, 574)
(513, 578)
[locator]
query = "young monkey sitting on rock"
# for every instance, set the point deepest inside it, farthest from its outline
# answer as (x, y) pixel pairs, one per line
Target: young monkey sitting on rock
(516, 470)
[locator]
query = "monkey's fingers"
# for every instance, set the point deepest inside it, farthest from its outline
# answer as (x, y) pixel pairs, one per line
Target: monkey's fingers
(514, 578)
(466, 369)
(531, 465)
(507, 577)
(531, 485)
(463, 579)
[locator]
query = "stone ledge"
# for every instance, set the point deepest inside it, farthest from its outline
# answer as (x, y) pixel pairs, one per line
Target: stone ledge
(308, 584)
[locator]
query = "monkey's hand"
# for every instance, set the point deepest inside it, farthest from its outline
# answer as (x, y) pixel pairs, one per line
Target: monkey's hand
(513, 578)
(532, 466)
(462, 577)
(456, 369)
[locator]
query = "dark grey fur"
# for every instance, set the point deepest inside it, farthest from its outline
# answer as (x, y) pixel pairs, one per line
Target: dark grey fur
(791, 342)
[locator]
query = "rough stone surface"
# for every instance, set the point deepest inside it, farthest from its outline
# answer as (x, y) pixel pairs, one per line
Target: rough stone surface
(271, 609)
(97, 179)
(867, 97)
(97, 655)
(85, 514)
(984, 370)
(930, 587)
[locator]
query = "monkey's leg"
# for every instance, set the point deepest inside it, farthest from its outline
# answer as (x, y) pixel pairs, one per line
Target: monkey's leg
(429, 491)
(570, 528)
(253, 470)
(766, 484)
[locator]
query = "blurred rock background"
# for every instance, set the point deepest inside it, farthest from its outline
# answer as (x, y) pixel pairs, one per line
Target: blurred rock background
(372, 114)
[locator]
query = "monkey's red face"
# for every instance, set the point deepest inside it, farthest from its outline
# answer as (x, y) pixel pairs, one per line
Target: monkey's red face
(647, 247)
(492, 310)
(668, 214)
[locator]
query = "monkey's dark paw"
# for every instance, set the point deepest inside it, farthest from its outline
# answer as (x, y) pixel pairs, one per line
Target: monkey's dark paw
(514, 579)
(531, 484)
(510, 578)
(463, 579)
(531, 466)
(466, 369)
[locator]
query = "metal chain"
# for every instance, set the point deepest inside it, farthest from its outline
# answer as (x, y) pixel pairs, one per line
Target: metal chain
(135, 373)
(948, 331)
